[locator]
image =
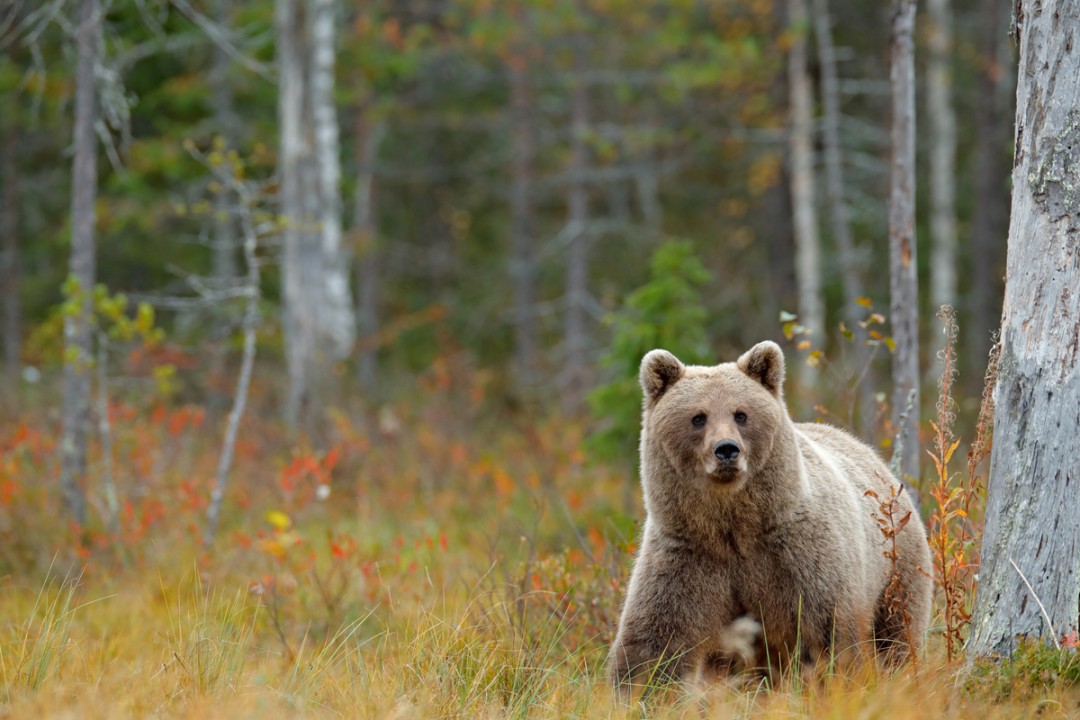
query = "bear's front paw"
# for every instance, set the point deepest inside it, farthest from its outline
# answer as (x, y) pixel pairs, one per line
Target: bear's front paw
(739, 640)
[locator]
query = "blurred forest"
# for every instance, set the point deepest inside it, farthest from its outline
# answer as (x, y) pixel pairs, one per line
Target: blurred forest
(505, 171)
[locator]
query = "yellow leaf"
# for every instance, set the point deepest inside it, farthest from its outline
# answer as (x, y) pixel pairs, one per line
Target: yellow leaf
(278, 519)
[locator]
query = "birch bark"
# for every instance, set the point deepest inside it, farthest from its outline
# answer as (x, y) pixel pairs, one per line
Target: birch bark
(319, 323)
(807, 243)
(903, 265)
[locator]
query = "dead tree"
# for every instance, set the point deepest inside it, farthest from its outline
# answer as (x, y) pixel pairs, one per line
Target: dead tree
(1029, 577)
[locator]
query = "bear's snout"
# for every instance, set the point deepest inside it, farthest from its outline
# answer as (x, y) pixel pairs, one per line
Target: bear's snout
(726, 451)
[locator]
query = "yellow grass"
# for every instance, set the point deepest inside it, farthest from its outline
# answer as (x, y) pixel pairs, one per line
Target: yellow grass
(456, 570)
(132, 650)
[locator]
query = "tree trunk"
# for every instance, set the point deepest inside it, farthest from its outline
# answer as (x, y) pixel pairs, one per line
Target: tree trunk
(834, 167)
(337, 322)
(523, 223)
(942, 156)
(990, 223)
(807, 250)
(319, 324)
(77, 330)
(298, 273)
(368, 139)
(904, 281)
(576, 338)
(851, 263)
(247, 361)
(1029, 576)
(9, 228)
(223, 267)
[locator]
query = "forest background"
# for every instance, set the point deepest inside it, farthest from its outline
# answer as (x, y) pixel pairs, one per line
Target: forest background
(359, 405)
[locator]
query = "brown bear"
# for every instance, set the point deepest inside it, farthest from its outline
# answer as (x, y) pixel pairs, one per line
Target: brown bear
(761, 544)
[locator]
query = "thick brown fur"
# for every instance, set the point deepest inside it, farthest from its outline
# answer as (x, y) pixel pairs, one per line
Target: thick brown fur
(780, 539)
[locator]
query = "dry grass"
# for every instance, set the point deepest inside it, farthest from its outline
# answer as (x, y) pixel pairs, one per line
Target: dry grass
(458, 568)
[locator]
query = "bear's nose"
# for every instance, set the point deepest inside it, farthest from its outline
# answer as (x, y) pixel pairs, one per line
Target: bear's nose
(726, 450)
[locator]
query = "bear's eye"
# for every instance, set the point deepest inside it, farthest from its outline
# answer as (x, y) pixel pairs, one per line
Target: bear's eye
(699, 420)
(740, 418)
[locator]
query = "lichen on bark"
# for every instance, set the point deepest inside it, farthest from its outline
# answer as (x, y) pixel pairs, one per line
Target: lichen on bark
(1055, 183)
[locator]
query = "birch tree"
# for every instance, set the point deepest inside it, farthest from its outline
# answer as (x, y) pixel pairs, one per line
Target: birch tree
(1029, 576)
(904, 281)
(807, 243)
(319, 323)
(81, 267)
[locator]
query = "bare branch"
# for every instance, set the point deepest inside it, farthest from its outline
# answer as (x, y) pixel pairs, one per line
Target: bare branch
(221, 38)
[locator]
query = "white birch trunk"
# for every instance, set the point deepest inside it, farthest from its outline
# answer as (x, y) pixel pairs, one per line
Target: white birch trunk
(903, 265)
(294, 162)
(319, 322)
(807, 244)
(1033, 506)
(337, 322)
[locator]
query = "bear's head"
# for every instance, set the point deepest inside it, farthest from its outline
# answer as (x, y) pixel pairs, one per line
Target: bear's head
(715, 426)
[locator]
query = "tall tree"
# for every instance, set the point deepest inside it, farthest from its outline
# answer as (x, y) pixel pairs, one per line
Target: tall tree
(904, 281)
(10, 270)
(807, 243)
(319, 323)
(942, 118)
(81, 266)
(1029, 576)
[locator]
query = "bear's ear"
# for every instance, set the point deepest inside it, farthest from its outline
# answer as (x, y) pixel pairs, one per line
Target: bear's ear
(659, 371)
(765, 363)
